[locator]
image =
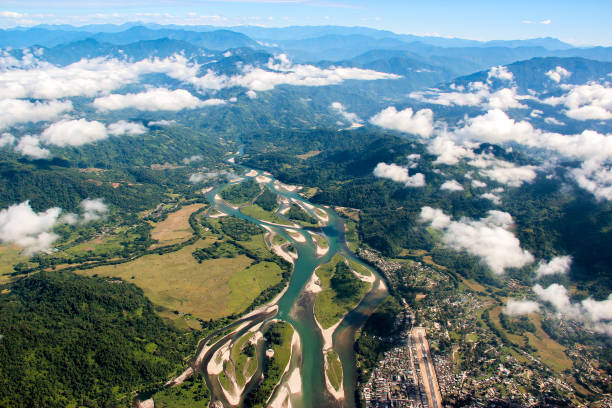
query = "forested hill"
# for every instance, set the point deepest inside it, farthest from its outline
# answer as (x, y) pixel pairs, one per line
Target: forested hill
(77, 341)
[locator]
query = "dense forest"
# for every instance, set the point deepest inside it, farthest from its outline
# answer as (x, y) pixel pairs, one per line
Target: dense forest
(69, 340)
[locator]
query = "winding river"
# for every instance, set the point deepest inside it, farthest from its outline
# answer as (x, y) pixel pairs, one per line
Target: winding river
(296, 307)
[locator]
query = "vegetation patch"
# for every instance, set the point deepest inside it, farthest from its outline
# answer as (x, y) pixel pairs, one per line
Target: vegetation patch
(178, 282)
(70, 340)
(359, 268)
(278, 338)
(298, 214)
(342, 291)
(241, 193)
(267, 200)
(259, 213)
(334, 369)
(193, 393)
(175, 228)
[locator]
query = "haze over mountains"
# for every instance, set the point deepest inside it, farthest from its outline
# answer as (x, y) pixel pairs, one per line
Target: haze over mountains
(488, 162)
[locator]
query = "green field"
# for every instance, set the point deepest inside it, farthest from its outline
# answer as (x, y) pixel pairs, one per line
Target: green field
(321, 241)
(259, 213)
(279, 335)
(359, 268)
(244, 365)
(334, 369)
(211, 289)
(193, 393)
(352, 237)
(330, 307)
(8, 258)
(241, 193)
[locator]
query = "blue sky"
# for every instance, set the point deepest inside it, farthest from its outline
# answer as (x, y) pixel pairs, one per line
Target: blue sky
(585, 22)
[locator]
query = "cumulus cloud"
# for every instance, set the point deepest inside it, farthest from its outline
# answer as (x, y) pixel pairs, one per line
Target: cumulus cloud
(29, 146)
(477, 94)
(496, 126)
(557, 265)
(586, 102)
(93, 210)
(162, 122)
(447, 150)
(435, 217)
(506, 173)
(558, 74)
(192, 159)
(251, 94)
(451, 185)
(488, 238)
(419, 123)
(6, 139)
(123, 127)
(196, 178)
(494, 198)
(596, 314)
(32, 231)
(22, 226)
(399, 174)
(14, 111)
(158, 99)
(478, 184)
(348, 116)
(501, 73)
(74, 133)
(520, 307)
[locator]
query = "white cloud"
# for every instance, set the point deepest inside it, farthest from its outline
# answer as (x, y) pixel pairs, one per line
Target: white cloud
(196, 178)
(507, 173)
(158, 99)
(478, 184)
(30, 146)
(501, 73)
(419, 123)
(435, 216)
(495, 199)
(251, 94)
(192, 159)
(558, 74)
(21, 226)
(586, 102)
(447, 150)
(557, 265)
(348, 116)
(399, 174)
(162, 122)
(488, 238)
(93, 209)
(520, 307)
(123, 127)
(477, 94)
(553, 121)
(73, 133)
(496, 126)
(14, 111)
(6, 139)
(451, 185)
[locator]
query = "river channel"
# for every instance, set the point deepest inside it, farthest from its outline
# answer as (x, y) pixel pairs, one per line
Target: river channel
(296, 307)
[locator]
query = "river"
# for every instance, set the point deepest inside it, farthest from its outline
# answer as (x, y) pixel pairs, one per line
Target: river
(296, 307)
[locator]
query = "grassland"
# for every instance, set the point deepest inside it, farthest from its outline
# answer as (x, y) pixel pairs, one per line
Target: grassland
(175, 228)
(359, 268)
(321, 241)
(9, 256)
(549, 351)
(247, 283)
(352, 237)
(334, 369)
(244, 365)
(259, 213)
(329, 307)
(176, 281)
(279, 335)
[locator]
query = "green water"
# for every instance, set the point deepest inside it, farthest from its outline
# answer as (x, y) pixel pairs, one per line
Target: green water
(296, 307)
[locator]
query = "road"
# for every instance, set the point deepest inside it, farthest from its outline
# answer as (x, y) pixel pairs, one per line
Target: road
(427, 370)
